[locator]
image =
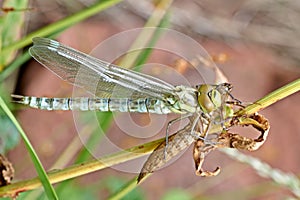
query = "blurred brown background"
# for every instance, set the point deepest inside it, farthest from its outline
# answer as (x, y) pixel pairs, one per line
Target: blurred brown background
(261, 40)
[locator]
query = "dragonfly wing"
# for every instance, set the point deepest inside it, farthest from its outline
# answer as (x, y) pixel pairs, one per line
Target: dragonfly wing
(161, 155)
(85, 71)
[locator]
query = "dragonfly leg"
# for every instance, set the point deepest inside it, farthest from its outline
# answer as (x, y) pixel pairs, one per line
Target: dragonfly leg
(170, 123)
(225, 104)
(205, 132)
(225, 88)
(200, 151)
(202, 133)
(193, 129)
(222, 120)
(234, 101)
(205, 120)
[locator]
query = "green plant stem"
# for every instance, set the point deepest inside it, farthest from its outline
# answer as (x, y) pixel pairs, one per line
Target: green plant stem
(37, 163)
(146, 35)
(127, 188)
(61, 25)
(271, 98)
(14, 65)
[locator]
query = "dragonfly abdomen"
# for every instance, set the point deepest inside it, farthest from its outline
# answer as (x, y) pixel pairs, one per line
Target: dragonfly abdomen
(141, 105)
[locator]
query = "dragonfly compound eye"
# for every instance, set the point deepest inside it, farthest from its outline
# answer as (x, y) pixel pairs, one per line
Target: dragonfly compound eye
(209, 98)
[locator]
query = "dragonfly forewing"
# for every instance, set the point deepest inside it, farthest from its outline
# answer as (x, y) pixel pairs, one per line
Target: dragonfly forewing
(85, 71)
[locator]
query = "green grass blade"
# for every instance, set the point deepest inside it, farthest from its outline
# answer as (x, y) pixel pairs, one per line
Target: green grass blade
(93, 142)
(14, 65)
(38, 166)
(62, 24)
(146, 35)
(127, 188)
(144, 55)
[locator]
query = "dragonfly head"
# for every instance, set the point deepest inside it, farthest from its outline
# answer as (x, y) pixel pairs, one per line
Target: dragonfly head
(211, 97)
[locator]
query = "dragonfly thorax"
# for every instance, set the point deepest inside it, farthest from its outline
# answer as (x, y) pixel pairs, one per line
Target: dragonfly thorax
(187, 99)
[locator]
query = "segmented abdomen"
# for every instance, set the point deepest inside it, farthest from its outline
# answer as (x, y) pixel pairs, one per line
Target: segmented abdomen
(141, 105)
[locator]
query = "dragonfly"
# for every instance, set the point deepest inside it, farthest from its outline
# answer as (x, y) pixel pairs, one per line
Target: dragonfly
(123, 90)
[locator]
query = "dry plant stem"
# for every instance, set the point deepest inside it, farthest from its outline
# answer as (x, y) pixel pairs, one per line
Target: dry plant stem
(56, 176)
